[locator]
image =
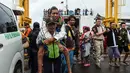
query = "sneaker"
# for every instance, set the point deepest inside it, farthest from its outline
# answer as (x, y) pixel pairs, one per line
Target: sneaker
(80, 62)
(87, 65)
(111, 64)
(98, 65)
(117, 65)
(102, 58)
(126, 63)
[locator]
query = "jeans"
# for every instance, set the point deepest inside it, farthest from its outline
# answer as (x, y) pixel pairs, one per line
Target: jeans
(64, 65)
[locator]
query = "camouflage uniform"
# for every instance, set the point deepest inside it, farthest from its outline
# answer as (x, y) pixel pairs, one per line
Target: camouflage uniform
(123, 40)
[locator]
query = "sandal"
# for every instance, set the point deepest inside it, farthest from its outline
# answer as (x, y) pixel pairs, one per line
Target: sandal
(126, 63)
(86, 65)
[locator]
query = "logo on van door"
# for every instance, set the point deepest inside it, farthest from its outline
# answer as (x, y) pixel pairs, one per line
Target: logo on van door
(11, 35)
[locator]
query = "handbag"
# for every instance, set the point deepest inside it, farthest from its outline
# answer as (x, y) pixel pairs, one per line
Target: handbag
(26, 44)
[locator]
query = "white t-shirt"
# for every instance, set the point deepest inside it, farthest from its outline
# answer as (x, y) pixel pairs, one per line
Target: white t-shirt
(44, 32)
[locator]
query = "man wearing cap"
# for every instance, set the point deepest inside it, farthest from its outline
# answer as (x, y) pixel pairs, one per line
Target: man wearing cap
(50, 56)
(53, 14)
(49, 53)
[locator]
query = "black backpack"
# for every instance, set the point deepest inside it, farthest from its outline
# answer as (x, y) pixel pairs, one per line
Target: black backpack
(69, 41)
(32, 38)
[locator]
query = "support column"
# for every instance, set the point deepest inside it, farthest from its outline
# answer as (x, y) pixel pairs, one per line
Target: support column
(116, 12)
(106, 13)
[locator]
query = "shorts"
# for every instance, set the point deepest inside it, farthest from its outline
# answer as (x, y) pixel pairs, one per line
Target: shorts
(113, 52)
(125, 48)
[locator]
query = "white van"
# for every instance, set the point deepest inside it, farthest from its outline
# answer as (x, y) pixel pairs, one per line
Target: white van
(11, 50)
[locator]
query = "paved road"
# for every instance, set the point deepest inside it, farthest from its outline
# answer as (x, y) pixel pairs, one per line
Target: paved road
(77, 68)
(105, 68)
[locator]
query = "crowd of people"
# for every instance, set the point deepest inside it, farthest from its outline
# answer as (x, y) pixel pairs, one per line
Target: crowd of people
(52, 47)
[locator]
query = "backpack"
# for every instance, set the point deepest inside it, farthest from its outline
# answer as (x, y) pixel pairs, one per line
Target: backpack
(69, 42)
(32, 38)
(52, 50)
(69, 29)
(95, 30)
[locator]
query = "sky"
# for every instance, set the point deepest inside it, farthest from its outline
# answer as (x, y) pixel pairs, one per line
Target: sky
(98, 6)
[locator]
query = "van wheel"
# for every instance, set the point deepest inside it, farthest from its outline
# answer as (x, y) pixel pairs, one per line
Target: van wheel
(18, 68)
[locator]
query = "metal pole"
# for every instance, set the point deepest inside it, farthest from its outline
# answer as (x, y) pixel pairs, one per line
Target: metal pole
(20, 17)
(106, 13)
(26, 7)
(116, 11)
(111, 11)
(67, 6)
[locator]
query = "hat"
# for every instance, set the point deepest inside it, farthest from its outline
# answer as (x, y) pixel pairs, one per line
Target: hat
(50, 21)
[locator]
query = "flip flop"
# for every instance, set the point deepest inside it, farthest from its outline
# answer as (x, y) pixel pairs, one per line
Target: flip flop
(86, 65)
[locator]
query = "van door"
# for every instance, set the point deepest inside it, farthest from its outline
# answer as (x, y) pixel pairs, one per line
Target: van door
(10, 39)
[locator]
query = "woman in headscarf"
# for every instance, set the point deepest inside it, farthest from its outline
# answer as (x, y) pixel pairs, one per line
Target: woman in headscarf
(85, 45)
